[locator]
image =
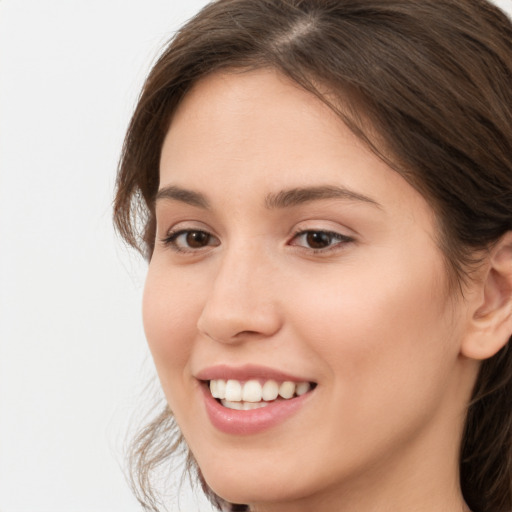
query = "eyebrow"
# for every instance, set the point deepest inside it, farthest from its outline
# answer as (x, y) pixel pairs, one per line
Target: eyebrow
(183, 195)
(297, 196)
(283, 199)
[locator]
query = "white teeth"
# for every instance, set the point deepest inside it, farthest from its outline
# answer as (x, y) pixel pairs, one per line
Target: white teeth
(232, 405)
(302, 388)
(221, 388)
(213, 388)
(287, 389)
(252, 392)
(270, 390)
(233, 391)
(243, 406)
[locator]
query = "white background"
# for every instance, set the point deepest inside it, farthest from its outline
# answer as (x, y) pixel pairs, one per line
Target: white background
(73, 361)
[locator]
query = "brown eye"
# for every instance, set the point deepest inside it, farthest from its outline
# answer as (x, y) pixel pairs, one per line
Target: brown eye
(197, 239)
(318, 239)
(190, 240)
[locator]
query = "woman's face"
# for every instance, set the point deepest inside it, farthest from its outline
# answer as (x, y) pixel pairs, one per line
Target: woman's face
(287, 251)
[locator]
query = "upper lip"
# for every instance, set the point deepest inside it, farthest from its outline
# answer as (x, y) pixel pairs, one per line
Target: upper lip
(246, 372)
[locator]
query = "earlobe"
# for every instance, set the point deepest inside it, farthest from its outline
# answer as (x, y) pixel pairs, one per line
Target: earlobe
(491, 319)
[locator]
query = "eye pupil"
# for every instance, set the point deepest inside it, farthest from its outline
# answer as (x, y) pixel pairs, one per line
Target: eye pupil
(197, 239)
(318, 239)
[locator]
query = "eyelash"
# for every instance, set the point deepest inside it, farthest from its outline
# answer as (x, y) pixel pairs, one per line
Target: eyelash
(332, 235)
(172, 237)
(171, 240)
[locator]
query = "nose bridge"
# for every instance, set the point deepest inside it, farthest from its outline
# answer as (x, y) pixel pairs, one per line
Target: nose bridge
(241, 301)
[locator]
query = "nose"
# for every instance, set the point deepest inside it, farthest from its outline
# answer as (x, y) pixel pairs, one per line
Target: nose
(241, 303)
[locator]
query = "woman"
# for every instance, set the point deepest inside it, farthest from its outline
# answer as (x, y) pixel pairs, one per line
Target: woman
(323, 189)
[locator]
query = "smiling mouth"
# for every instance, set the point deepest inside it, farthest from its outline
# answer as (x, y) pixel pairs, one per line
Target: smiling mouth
(255, 394)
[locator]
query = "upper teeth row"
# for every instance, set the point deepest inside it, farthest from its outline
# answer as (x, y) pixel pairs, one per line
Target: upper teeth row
(253, 391)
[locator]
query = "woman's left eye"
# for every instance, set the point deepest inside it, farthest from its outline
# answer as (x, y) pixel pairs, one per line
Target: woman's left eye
(318, 240)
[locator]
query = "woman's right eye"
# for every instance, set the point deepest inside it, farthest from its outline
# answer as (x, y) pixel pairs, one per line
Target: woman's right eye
(190, 240)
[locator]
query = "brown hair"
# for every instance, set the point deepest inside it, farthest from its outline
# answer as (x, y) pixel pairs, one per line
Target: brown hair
(434, 79)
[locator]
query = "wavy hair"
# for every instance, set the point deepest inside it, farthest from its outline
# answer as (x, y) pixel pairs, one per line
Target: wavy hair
(433, 80)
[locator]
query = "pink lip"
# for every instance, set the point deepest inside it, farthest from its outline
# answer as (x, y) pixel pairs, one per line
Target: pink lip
(235, 422)
(231, 421)
(245, 373)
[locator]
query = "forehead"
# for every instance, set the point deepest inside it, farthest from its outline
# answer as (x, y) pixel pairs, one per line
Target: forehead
(238, 138)
(255, 119)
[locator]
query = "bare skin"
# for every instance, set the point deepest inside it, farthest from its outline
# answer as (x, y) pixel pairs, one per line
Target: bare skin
(343, 286)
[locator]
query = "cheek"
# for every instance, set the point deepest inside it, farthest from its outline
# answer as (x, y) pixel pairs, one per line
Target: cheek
(379, 330)
(387, 349)
(170, 324)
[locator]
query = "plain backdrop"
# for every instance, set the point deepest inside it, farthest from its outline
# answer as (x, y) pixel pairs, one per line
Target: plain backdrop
(73, 359)
(74, 366)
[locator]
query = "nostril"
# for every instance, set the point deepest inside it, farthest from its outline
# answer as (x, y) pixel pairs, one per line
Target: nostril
(237, 315)
(247, 333)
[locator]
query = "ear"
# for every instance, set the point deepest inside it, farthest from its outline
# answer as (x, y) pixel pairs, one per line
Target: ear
(491, 316)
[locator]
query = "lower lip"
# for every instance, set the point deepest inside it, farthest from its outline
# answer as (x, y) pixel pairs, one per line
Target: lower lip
(232, 421)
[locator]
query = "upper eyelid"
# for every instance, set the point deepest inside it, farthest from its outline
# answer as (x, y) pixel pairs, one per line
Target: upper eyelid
(303, 226)
(183, 225)
(326, 227)
(333, 231)
(340, 236)
(181, 231)
(200, 226)
(339, 239)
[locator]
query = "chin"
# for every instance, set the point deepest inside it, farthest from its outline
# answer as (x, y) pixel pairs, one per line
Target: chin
(255, 484)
